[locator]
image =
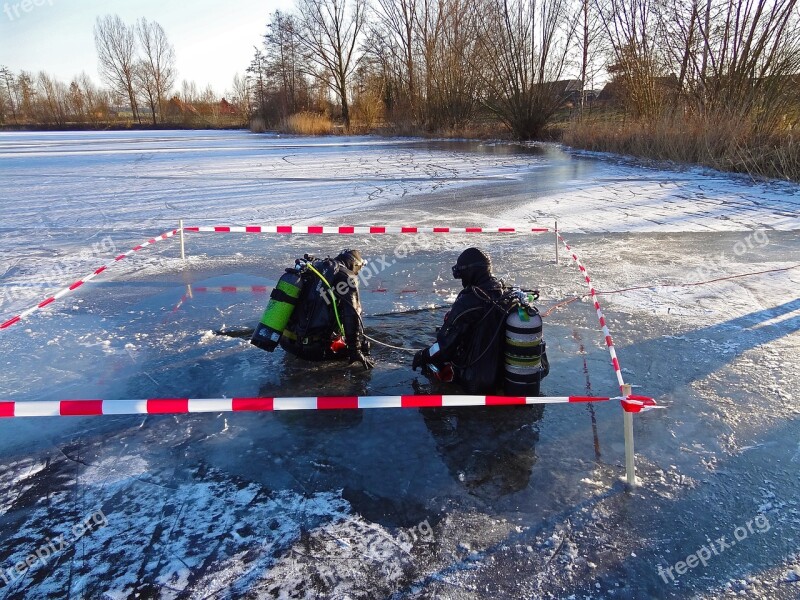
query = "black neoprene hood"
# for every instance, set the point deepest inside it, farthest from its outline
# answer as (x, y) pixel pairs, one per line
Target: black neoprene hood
(473, 265)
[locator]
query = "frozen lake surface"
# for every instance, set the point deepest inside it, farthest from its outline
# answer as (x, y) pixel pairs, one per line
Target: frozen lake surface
(450, 503)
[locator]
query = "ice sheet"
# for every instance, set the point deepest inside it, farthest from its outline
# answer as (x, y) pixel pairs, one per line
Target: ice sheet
(395, 503)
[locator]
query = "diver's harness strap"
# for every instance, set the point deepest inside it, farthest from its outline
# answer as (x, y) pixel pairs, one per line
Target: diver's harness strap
(311, 339)
(332, 295)
(514, 299)
(280, 296)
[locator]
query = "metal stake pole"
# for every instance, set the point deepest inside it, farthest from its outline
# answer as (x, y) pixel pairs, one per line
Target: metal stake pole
(630, 465)
(556, 230)
(183, 250)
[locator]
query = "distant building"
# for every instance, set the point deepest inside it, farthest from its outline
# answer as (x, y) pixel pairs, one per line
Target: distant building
(121, 112)
(615, 92)
(226, 109)
(569, 91)
(201, 112)
(612, 94)
(178, 110)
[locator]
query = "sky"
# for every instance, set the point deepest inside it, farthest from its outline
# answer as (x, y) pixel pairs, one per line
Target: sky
(213, 40)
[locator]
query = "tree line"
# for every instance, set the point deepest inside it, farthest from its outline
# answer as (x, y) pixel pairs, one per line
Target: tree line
(137, 65)
(447, 65)
(442, 64)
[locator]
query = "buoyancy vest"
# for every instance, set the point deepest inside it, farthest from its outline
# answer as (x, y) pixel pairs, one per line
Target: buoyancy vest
(479, 364)
(314, 317)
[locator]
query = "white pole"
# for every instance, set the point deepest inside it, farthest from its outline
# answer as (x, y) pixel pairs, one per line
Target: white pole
(630, 465)
(556, 230)
(183, 249)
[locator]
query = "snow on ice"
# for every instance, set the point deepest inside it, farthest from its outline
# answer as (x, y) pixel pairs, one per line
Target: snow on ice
(696, 275)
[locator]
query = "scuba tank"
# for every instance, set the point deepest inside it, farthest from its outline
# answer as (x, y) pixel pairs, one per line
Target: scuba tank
(525, 359)
(282, 301)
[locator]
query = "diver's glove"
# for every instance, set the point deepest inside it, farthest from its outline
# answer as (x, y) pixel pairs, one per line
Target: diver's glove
(357, 355)
(421, 359)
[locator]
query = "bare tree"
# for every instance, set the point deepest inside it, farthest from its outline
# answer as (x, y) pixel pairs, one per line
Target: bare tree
(284, 62)
(369, 92)
(189, 93)
(156, 70)
(76, 102)
(680, 29)
(592, 47)
(735, 61)
(52, 100)
(383, 68)
(27, 95)
(329, 31)
(457, 62)
(632, 27)
(752, 52)
(146, 85)
(241, 98)
(8, 93)
(210, 106)
(96, 100)
(116, 49)
(430, 23)
(395, 35)
(257, 78)
(526, 44)
(5, 105)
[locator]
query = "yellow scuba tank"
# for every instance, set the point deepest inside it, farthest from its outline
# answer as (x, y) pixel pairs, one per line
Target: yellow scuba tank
(524, 351)
(282, 301)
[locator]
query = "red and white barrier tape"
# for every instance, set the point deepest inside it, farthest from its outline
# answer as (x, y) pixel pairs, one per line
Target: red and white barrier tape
(231, 289)
(635, 404)
(80, 282)
(366, 229)
(264, 289)
(606, 332)
(222, 289)
(151, 406)
(630, 403)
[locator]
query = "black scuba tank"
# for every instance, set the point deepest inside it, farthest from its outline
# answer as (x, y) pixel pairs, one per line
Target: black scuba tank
(524, 352)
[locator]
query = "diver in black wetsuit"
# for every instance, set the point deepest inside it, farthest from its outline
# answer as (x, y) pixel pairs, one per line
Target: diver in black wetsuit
(469, 344)
(327, 321)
